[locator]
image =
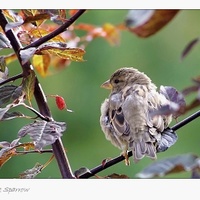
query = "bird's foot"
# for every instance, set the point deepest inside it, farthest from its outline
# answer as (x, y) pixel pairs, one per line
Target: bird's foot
(127, 161)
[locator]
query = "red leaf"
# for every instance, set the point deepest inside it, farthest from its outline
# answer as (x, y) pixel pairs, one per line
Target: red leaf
(145, 23)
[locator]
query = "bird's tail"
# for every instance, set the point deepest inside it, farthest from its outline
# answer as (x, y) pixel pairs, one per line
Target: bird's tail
(141, 149)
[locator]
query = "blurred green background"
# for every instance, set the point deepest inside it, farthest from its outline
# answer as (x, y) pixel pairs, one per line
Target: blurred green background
(158, 56)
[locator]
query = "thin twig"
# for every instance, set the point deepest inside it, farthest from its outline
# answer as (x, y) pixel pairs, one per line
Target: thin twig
(35, 151)
(185, 121)
(35, 111)
(13, 78)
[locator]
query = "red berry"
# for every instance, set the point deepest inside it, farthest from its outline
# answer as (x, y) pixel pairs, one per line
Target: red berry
(60, 102)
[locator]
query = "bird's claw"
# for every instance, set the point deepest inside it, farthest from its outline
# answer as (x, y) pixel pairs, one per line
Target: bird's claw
(127, 161)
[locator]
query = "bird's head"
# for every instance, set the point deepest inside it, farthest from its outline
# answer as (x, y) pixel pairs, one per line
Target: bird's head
(124, 77)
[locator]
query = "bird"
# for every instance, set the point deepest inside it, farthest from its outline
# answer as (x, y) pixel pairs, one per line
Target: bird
(126, 118)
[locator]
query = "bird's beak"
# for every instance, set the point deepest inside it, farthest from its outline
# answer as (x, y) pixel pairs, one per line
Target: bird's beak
(107, 85)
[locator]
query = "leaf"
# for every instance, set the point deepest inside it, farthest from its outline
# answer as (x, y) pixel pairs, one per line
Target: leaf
(137, 18)
(108, 31)
(176, 164)
(13, 115)
(58, 16)
(10, 58)
(24, 37)
(34, 16)
(195, 103)
(29, 86)
(72, 54)
(9, 93)
(31, 173)
(6, 155)
(7, 151)
(53, 48)
(43, 133)
(10, 14)
(26, 146)
(190, 89)
(145, 23)
(13, 25)
(39, 32)
(38, 17)
(52, 45)
(3, 69)
(3, 111)
(117, 176)
(111, 34)
(26, 54)
(189, 47)
(60, 49)
(41, 64)
(4, 42)
(2, 64)
(196, 173)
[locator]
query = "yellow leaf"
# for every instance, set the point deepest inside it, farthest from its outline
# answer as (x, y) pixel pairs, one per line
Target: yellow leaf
(38, 33)
(10, 58)
(6, 156)
(29, 86)
(72, 54)
(39, 17)
(112, 33)
(41, 63)
(26, 146)
(10, 15)
(34, 16)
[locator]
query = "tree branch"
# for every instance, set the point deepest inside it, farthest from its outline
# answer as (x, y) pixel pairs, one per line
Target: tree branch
(13, 78)
(57, 147)
(57, 31)
(120, 158)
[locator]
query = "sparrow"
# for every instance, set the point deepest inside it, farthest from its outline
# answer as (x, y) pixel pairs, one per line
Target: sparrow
(126, 118)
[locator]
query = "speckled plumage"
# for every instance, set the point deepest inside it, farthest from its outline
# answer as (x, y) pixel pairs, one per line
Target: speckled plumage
(125, 115)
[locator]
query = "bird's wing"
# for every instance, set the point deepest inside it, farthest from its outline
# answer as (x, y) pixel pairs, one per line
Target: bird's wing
(107, 126)
(116, 115)
(159, 124)
(156, 101)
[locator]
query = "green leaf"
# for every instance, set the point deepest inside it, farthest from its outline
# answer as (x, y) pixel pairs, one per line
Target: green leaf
(29, 86)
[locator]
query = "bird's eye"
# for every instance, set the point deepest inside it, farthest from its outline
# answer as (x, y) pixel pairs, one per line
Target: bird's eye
(116, 81)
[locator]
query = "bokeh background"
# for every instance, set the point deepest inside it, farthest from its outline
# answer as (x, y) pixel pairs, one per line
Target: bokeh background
(158, 56)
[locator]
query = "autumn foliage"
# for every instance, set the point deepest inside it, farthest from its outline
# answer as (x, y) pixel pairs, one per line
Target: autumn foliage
(44, 42)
